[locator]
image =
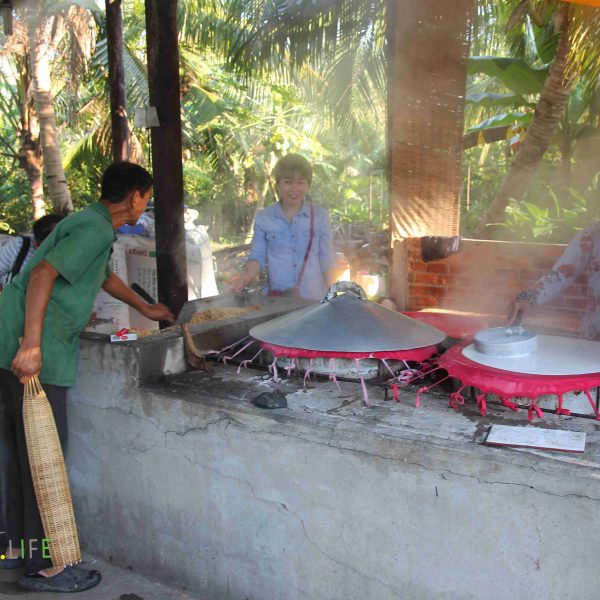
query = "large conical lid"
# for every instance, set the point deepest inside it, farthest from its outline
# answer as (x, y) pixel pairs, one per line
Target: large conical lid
(347, 323)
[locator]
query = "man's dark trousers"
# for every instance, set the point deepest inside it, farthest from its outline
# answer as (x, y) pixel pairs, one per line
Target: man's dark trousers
(23, 517)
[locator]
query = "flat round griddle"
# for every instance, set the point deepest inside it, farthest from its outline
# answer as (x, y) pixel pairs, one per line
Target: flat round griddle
(347, 323)
(555, 356)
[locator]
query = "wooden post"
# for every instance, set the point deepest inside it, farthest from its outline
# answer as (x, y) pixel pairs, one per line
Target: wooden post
(116, 78)
(163, 80)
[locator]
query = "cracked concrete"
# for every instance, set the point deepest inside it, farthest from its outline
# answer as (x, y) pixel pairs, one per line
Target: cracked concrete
(187, 481)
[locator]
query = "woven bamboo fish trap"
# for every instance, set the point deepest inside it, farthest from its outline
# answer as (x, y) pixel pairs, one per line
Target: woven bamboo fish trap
(49, 476)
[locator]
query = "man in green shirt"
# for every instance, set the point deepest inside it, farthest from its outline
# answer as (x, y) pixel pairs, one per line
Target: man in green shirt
(46, 307)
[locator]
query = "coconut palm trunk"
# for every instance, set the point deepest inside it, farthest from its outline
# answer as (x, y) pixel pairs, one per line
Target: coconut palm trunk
(39, 50)
(548, 112)
(30, 160)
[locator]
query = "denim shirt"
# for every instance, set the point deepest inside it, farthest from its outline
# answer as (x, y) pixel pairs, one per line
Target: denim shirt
(279, 246)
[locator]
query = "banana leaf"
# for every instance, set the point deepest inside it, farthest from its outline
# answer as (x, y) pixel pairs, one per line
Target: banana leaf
(514, 73)
(491, 100)
(504, 119)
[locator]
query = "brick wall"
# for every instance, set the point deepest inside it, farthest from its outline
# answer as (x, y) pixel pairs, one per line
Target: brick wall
(483, 277)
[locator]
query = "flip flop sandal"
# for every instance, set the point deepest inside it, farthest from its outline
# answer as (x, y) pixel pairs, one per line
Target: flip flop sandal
(71, 579)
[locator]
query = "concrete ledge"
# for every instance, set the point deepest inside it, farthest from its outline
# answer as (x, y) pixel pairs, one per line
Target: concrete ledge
(188, 481)
(151, 358)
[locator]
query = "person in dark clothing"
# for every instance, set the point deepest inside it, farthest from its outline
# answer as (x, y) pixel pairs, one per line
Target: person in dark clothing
(16, 253)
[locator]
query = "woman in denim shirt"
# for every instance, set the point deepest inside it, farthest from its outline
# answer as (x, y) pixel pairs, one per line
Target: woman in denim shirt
(292, 238)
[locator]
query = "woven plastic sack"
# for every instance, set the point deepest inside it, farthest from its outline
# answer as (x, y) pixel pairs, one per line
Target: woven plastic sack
(49, 476)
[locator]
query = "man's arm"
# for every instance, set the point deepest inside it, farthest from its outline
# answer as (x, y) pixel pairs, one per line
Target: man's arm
(118, 289)
(28, 359)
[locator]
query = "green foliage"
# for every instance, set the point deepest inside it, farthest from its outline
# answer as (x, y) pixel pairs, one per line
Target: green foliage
(493, 100)
(515, 74)
(502, 119)
(557, 221)
(522, 39)
(15, 206)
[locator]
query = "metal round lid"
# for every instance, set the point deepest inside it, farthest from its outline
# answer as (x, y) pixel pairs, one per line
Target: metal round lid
(347, 323)
(502, 341)
(555, 355)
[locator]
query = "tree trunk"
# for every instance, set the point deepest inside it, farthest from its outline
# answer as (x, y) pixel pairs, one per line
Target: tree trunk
(566, 154)
(116, 78)
(39, 50)
(30, 160)
(548, 112)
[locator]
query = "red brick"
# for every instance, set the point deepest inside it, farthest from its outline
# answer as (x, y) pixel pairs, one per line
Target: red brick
(428, 278)
(419, 290)
(419, 302)
(575, 303)
(553, 252)
(417, 265)
(505, 275)
(437, 267)
(576, 290)
(555, 303)
(414, 251)
(530, 274)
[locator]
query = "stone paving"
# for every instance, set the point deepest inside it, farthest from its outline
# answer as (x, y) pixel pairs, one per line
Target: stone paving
(117, 584)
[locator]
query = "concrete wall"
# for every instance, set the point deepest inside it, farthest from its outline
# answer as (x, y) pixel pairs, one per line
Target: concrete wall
(188, 482)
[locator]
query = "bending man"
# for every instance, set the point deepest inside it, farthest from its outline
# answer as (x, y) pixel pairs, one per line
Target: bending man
(47, 305)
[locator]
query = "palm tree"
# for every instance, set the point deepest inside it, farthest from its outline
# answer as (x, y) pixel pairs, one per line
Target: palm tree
(314, 31)
(345, 42)
(57, 32)
(578, 31)
(24, 145)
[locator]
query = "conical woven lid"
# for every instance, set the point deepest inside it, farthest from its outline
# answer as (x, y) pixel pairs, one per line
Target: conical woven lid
(347, 324)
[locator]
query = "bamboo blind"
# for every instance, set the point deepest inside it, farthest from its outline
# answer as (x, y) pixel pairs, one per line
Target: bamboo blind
(429, 47)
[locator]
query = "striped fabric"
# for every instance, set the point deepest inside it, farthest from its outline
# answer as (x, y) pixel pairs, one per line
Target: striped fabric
(8, 256)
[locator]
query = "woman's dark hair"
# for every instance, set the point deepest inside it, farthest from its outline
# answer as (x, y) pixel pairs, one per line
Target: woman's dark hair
(43, 227)
(293, 164)
(121, 179)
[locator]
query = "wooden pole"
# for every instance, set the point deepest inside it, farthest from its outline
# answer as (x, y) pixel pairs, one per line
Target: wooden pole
(116, 78)
(163, 81)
